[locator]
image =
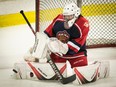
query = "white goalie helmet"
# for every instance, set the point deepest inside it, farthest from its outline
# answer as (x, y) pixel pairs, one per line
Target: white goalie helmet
(71, 9)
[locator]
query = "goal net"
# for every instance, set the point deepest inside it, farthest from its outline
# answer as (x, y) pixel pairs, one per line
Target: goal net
(101, 15)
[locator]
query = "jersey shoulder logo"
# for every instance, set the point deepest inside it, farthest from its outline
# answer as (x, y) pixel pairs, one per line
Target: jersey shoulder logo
(86, 24)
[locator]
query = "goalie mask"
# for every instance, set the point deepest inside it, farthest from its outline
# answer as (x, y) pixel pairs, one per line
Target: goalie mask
(71, 10)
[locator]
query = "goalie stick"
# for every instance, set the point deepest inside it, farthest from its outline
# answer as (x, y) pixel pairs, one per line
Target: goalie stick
(56, 70)
(50, 61)
(27, 21)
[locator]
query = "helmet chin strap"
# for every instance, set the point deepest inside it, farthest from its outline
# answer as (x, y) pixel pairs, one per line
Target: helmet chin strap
(68, 24)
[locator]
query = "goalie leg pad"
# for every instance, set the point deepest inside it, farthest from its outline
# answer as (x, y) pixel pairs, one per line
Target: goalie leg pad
(104, 69)
(37, 71)
(86, 74)
(91, 72)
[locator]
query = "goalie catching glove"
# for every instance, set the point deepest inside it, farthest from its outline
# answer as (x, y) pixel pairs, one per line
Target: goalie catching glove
(56, 46)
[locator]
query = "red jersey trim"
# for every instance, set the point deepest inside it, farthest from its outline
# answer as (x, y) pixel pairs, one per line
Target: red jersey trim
(73, 46)
(73, 56)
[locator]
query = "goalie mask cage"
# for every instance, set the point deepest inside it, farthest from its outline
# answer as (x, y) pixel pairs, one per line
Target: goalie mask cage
(101, 15)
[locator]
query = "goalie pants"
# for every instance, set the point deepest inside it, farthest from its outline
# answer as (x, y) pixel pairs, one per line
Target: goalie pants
(75, 62)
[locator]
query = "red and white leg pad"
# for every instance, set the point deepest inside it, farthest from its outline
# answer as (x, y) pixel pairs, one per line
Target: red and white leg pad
(37, 71)
(91, 72)
(43, 71)
(104, 70)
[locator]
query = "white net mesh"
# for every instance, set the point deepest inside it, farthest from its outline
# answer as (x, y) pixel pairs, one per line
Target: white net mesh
(101, 15)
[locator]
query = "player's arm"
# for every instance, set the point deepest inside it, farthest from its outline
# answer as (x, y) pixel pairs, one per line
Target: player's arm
(75, 44)
(49, 29)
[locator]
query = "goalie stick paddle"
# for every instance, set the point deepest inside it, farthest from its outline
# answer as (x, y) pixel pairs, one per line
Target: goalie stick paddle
(56, 70)
(52, 64)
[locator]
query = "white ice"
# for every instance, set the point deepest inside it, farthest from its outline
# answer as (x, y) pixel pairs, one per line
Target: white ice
(93, 54)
